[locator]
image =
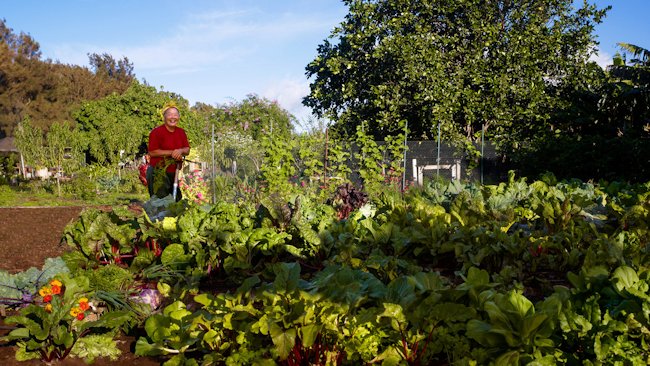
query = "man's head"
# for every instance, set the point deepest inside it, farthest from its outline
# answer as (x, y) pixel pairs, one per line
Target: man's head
(171, 115)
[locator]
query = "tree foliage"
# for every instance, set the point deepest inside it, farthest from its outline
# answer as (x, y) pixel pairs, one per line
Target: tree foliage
(30, 141)
(63, 150)
(117, 127)
(106, 66)
(258, 116)
(48, 91)
(465, 64)
(240, 127)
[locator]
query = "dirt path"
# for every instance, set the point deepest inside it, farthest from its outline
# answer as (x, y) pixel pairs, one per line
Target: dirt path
(29, 235)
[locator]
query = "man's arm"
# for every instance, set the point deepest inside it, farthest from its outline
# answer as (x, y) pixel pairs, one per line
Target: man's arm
(176, 153)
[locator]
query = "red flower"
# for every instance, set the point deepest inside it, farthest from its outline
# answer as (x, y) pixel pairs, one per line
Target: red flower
(80, 316)
(47, 298)
(56, 289)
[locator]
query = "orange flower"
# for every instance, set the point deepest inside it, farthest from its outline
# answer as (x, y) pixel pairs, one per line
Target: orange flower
(47, 298)
(56, 289)
(56, 283)
(83, 304)
(48, 308)
(80, 316)
(44, 291)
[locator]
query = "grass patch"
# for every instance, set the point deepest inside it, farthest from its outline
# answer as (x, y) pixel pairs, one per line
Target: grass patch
(12, 198)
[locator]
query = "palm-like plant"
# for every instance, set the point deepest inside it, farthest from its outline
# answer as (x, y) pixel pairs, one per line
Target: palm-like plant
(637, 69)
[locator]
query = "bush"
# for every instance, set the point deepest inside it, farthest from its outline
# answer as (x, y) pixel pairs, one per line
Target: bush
(130, 182)
(80, 186)
(6, 194)
(600, 158)
(108, 183)
(37, 186)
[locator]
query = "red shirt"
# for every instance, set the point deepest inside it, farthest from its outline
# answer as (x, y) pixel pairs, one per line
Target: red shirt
(161, 139)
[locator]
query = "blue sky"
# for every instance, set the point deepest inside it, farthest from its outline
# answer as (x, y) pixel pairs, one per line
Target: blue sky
(217, 51)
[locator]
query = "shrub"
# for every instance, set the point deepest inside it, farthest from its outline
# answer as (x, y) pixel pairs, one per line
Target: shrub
(80, 187)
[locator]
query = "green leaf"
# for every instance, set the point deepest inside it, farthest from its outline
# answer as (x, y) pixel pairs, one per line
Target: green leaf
(531, 325)
(393, 311)
(169, 224)
(144, 348)
(22, 354)
(507, 359)
(172, 254)
(18, 333)
(308, 334)
(180, 360)
(624, 278)
(112, 319)
(286, 277)
(401, 290)
(520, 303)
(62, 337)
(284, 340)
(497, 316)
(480, 331)
(157, 327)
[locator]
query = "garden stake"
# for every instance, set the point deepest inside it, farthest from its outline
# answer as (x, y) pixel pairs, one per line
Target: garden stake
(178, 167)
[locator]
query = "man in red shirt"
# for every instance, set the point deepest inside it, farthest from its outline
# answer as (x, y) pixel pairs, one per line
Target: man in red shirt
(167, 146)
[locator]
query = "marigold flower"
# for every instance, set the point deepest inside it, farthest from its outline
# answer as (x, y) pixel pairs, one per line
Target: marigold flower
(44, 291)
(56, 283)
(80, 316)
(48, 308)
(56, 289)
(47, 298)
(75, 311)
(83, 304)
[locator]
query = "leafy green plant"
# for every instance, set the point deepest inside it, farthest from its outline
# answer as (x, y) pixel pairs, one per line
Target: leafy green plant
(177, 332)
(515, 331)
(605, 315)
(20, 289)
(94, 346)
(278, 165)
(105, 237)
(50, 328)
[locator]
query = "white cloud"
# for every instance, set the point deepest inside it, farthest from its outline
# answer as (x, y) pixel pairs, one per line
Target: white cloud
(203, 40)
(289, 93)
(603, 59)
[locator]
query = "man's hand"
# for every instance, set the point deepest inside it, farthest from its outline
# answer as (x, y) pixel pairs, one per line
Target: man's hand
(177, 154)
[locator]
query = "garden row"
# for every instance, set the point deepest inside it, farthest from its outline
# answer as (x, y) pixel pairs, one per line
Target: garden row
(543, 273)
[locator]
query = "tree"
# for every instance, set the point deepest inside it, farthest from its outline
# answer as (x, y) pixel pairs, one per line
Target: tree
(603, 121)
(257, 116)
(117, 127)
(29, 141)
(23, 45)
(468, 64)
(627, 101)
(48, 91)
(105, 66)
(63, 150)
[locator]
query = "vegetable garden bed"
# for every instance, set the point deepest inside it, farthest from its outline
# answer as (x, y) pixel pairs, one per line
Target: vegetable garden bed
(543, 273)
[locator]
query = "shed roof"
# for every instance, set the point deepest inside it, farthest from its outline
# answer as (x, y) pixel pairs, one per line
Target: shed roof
(7, 145)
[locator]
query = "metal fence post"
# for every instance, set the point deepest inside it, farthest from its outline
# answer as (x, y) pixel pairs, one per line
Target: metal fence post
(214, 184)
(438, 157)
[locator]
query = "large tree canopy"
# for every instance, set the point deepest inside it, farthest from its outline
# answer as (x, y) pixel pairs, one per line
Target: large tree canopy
(465, 64)
(47, 91)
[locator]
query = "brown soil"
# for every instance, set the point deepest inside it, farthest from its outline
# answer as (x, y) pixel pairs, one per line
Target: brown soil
(27, 237)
